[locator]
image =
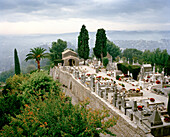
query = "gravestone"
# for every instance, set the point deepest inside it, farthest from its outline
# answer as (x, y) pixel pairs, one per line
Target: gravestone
(134, 106)
(107, 89)
(119, 101)
(78, 75)
(115, 98)
(155, 118)
(92, 83)
(97, 69)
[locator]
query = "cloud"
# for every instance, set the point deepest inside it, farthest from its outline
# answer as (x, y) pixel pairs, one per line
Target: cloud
(114, 11)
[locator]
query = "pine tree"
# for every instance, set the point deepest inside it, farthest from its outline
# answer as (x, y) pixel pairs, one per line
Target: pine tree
(100, 49)
(83, 44)
(17, 64)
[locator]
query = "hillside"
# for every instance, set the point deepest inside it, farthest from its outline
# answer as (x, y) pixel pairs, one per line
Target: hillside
(124, 39)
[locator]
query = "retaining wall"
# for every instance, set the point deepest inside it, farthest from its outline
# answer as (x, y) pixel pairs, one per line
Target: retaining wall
(124, 127)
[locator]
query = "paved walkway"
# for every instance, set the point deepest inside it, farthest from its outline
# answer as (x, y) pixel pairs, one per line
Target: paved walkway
(146, 93)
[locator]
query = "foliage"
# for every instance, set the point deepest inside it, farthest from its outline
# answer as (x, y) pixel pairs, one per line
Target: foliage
(16, 62)
(100, 49)
(83, 44)
(134, 69)
(105, 61)
(37, 54)
(57, 49)
(123, 67)
(132, 54)
(58, 61)
(38, 83)
(10, 105)
(6, 74)
(14, 83)
(44, 110)
(117, 77)
(167, 66)
(113, 50)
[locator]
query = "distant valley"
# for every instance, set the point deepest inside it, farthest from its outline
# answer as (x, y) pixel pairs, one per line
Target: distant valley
(124, 39)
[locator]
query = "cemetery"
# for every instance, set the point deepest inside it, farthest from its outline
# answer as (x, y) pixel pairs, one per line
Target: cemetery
(144, 102)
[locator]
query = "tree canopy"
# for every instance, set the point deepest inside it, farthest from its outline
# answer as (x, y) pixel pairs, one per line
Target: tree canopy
(83, 44)
(16, 62)
(100, 49)
(57, 49)
(132, 54)
(37, 54)
(113, 50)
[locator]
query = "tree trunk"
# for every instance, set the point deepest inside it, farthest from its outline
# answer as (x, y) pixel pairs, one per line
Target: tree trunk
(38, 63)
(84, 62)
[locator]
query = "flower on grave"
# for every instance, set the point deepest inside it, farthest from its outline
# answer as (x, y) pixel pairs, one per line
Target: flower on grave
(133, 89)
(164, 86)
(79, 78)
(108, 74)
(140, 108)
(167, 119)
(132, 84)
(111, 79)
(103, 78)
(88, 75)
(98, 77)
(147, 80)
(137, 90)
(119, 79)
(152, 99)
(158, 82)
(148, 76)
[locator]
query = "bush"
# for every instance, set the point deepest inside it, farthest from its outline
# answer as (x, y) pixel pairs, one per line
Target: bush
(50, 114)
(10, 105)
(105, 61)
(123, 67)
(117, 77)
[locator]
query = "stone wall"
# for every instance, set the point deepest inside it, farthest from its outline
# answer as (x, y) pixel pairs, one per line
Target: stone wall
(124, 127)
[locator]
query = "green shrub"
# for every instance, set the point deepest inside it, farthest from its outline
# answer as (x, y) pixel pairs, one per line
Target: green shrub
(105, 61)
(117, 77)
(10, 105)
(43, 110)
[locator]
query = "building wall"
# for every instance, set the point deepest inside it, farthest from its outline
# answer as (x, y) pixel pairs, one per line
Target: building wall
(123, 128)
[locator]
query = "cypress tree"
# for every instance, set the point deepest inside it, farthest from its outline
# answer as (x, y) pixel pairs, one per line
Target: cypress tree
(100, 49)
(83, 44)
(16, 61)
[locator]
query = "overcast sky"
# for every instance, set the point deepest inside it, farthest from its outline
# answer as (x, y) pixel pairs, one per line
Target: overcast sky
(63, 16)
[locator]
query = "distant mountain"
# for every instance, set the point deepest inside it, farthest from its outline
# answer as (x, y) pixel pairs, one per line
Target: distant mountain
(124, 39)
